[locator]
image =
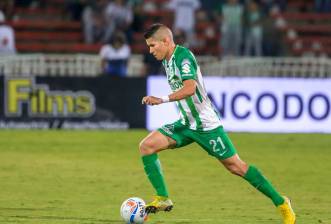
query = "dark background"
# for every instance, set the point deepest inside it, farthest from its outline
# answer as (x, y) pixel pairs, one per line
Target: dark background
(116, 98)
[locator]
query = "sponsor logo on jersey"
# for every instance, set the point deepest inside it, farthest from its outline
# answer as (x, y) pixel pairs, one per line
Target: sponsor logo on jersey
(186, 66)
(175, 84)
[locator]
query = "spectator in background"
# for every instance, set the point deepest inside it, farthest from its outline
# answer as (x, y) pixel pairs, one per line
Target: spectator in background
(23, 3)
(272, 37)
(185, 17)
(323, 6)
(180, 38)
(253, 34)
(137, 24)
(7, 37)
(8, 8)
(267, 5)
(210, 5)
(118, 17)
(115, 55)
(231, 28)
(76, 8)
(94, 24)
(282, 4)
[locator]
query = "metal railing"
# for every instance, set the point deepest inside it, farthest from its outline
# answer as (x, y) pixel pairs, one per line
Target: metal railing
(59, 65)
(90, 65)
(308, 67)
(50, 65)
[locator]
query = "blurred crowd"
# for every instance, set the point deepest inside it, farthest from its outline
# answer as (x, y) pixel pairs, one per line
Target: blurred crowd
(245, 27)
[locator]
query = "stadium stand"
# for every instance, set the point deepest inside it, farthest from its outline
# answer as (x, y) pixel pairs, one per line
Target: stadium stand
(46, 29)
(55, 42)
(310, 29)
(43, 30)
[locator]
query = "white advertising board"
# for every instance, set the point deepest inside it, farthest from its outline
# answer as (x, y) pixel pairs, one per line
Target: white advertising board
(256, 104)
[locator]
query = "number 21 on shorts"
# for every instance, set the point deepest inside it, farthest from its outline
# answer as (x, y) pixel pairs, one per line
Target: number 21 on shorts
(218, 146)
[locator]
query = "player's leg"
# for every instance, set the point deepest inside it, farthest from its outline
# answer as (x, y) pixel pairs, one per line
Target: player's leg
(218, 144)
(155, 142)
(168, 136)
(250, 173)
(149, 147)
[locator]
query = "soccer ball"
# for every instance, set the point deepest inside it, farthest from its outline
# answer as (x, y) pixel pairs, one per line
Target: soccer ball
(133, 211)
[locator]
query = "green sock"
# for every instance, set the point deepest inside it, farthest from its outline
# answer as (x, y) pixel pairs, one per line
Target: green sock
(255, 178)
(154, 173)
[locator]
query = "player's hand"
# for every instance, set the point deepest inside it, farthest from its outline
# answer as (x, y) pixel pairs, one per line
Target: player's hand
(151, 100)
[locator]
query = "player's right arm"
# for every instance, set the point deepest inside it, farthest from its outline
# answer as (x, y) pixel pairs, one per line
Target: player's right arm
(188, 89)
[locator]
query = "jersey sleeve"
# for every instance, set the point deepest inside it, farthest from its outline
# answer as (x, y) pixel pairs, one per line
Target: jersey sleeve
(187, 67)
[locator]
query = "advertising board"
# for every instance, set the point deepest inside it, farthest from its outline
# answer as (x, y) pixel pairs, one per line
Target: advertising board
(72, 102)
(256, 104)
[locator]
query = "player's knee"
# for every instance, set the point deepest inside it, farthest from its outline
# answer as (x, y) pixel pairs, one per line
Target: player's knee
(233, 169)
(146, 147)
(237, 169)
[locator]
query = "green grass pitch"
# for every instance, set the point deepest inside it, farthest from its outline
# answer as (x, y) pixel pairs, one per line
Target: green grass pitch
(60, 177)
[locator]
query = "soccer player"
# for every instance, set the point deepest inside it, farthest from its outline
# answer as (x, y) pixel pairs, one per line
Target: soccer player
(199, 122)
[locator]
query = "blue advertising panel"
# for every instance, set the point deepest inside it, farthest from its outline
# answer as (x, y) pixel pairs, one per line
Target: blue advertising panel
(256, 104)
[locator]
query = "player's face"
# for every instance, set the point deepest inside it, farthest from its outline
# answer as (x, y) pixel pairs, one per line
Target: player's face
(157, 48)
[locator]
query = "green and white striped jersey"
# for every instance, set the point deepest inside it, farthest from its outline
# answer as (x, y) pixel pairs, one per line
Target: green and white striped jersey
(196, 111)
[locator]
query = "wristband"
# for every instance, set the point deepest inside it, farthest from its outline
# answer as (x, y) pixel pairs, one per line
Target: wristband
(165, 99)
